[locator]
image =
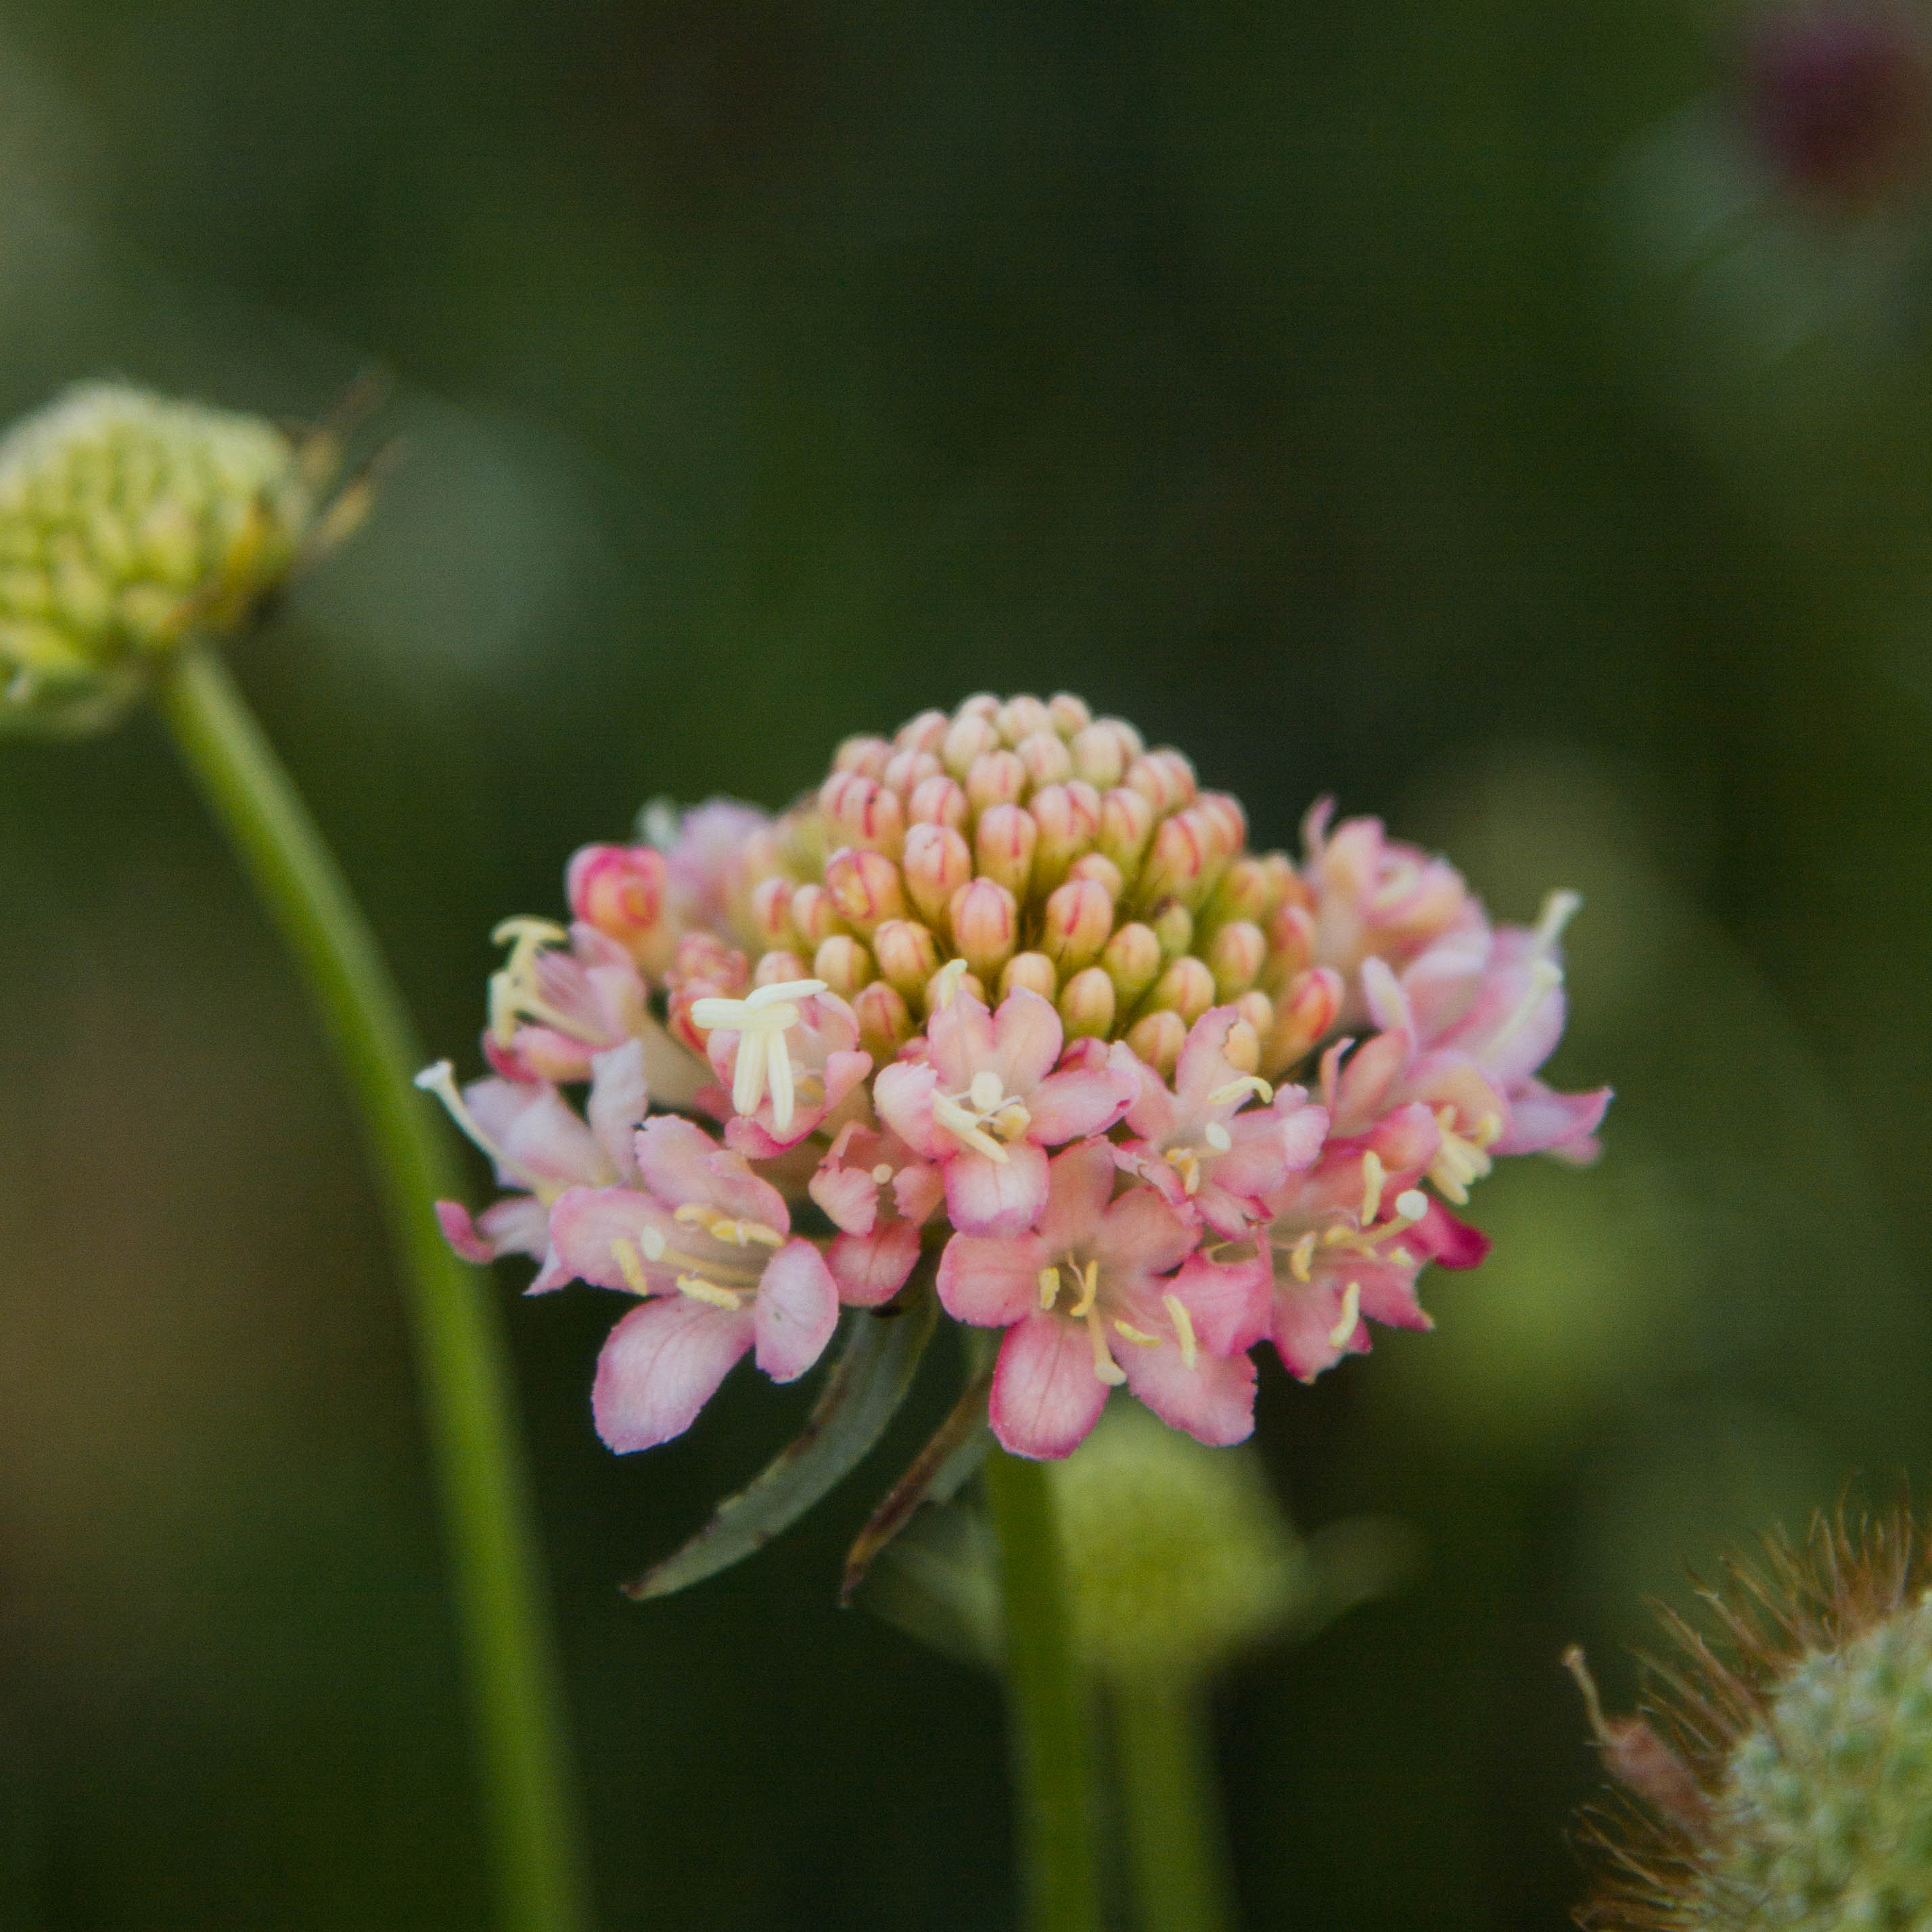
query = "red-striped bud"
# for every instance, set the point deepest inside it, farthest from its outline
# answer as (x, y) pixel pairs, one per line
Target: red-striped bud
(885, 1020)
(938, 800)
(1088, 1005)
(863, 812)
(864, 754)
(620, 890)
(926, 733)
(1234, 956)
(1100, 755)
(1003, 846)
(1067, 714)
(969, 737)
(985, 926)
(1078, 921)
(775, 968)
(1158, 1039)
(844, 963)
(1033, 971)
(1187, 987)
(905, 770)
(995, 777)
(1301, 1017)
(1132, 961)
(1046, 758)
(907, 955)
(1174, 925)
(937, 863)
(771, 912)
(1021, 717)
(1164, 778)
(1127, 824)
(865, 886)
(1068, 818)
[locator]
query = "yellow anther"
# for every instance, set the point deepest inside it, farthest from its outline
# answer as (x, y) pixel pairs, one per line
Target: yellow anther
(1106, 1369)
(945, 983)
(1247, 1083)
(882, 1173)
(761, 1021)
(652, 1242)
(1183, 1327)
(965, 1127)
(1301, 1258)
(1411, 1204)
(524, 934)
(1012, 1121)
(1089, 1278)
(1373, 1178)
(985, 1092)
(1049, 1286)
(1344, 1329)
(1186, 1163)
(721, 1227)
(1140, 1338)
(699, 1289)
(1217, 1137)
(630, 1264)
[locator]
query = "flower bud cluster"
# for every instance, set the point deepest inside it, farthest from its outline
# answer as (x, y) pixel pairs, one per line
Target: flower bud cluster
(1009, 995)
(127, 523)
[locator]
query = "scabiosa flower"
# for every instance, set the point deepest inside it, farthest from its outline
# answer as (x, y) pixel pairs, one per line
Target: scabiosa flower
(129, 523)
(1006, 1014)
(1785, 1780)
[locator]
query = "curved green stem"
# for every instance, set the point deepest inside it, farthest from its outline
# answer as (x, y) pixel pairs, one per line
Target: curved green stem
(472, 1420)
(1175, 1848)
(1048, 1705)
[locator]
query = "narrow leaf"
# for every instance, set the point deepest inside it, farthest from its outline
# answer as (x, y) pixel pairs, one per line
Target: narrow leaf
(936, 1474)
(864, 1391)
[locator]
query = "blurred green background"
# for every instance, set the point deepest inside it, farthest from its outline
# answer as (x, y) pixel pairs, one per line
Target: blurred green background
(1439, 404)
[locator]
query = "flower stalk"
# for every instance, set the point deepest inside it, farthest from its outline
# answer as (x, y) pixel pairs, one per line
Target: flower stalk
(472, 1427)
(1176, 1848)
(1052, 1743)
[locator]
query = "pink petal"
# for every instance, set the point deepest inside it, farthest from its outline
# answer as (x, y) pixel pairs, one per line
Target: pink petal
(849, 1195)
(1229, 1303)
(991, 1280)
(661, 1364)
(1027, 1040)
(541, 1135)
(1388, 1295)
(1214, 1401)
(680, 1163)
(1305, 1316)
(871, 1269)
(1070, 1106)
(1145, 1163)
(519, 1224)
(1441, 1237)
(1141, 1233)
(985, 1196)
(1542, 1120)
(586, 1222)
(843, 1072)
(459, 1232)
(619, 1098)
(918, 1188)
(903, 1094)
(1080, 1184)
(1152, 1113)
(1305, 1128)
(1046, 1396)
(1369, 1075)
(1203, 1065)
(959, 1039)
(796, 1311)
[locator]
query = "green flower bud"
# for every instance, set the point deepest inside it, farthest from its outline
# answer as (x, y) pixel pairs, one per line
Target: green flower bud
(129, 523)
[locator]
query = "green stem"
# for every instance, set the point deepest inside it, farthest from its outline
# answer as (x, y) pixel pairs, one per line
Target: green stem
(472, 1419)
(1048, 1706)
(1175, 1849)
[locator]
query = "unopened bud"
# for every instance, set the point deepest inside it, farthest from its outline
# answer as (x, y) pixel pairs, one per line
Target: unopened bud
(1242, 1048)
(907, 955)
(1127, 824)
(865, 886)
(844, 963)
(905, 771)
(1234, 956)
(771, 912)
(1247, 890)
(1067, 714)
(1290, 945)
(1098, 755)
(995, 777)
(1164, 778)
(864, 754)
(1088, 1005)
(620, 890)
(1173, 925)
(778, 967)
(1077, 923)
(1157, 1038)
(926, 733)
(938, 800)
(1185, 987)
(1021, 717)
(937, 863)
(969, 737)
(1102, 870)
(1033, 971)
(1228, 823)
(1132, 961)
(815, 915)
(885, 1021)
(1177, 865)
(1003, 846)
(864, 811)
(1068, 816)
(1046, 758)
(1303, 1014)
(982, 704)
(986, 925)
(130, 524)
(1257, 1010)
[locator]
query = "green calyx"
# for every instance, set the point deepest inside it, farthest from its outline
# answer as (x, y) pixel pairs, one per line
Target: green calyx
(1823, 1823)
(129, 523)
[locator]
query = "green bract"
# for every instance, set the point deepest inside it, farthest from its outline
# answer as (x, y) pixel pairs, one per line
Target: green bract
(129, 523)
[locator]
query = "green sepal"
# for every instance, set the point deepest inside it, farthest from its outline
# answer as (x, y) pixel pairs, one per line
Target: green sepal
(882, 1355)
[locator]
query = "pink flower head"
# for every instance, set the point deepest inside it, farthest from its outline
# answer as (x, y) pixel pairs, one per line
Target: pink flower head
(985, 1104)
(709, 1247)
(1349, 1238)
(1375, 897)
(541, 1146)
(1213, 1157)
(1091, 1298)
(789, 1053)
(703, 860)
(879, 1193)
(619, 889)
